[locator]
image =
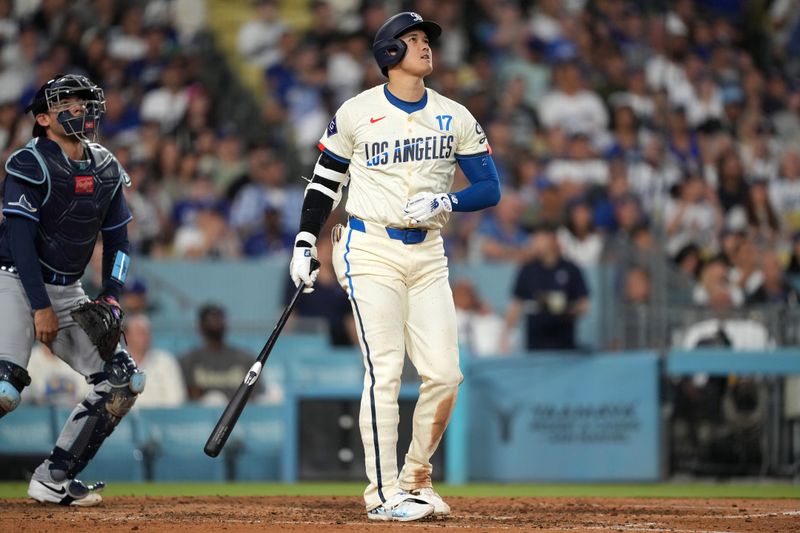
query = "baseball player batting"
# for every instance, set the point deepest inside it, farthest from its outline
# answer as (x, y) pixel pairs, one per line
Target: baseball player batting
(397, 145)
(61, 189)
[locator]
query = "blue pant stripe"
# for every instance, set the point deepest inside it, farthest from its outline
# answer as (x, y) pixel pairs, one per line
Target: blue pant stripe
(371, 370)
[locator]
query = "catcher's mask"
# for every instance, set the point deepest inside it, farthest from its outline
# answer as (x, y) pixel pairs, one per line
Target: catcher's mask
(77, 101)
(388, 48)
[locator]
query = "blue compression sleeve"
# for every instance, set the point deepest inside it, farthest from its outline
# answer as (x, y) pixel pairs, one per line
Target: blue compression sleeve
(116, 257)
(484, 190)
(23, 235)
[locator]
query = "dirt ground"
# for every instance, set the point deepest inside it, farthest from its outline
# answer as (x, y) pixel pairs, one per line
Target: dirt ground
(315, 514)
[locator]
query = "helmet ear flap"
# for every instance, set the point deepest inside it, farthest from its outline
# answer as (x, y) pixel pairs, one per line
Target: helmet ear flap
(389, 52)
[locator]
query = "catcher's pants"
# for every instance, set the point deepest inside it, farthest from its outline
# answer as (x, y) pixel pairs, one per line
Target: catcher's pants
(17, 332)
(71, 344)
(402, 302)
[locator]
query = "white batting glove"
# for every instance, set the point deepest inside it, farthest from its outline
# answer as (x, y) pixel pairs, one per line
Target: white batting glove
(425, 205)
(300, 267)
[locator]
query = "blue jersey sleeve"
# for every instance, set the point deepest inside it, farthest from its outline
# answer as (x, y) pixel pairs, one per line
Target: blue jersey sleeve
(23, 198)
(484, 189)
(118, 213)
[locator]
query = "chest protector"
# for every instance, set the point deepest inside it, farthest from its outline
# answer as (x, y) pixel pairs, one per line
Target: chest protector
(77, 196)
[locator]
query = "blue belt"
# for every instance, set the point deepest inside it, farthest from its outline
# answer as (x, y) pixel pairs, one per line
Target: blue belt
(405, 235)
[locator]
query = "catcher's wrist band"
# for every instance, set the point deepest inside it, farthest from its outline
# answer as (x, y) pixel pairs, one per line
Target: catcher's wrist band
(120, 271)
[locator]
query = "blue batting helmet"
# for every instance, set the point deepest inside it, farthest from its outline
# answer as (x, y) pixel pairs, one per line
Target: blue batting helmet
(388, 49)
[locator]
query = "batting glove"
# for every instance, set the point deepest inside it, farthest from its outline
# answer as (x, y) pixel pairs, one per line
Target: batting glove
(425, 205)
(300, 267)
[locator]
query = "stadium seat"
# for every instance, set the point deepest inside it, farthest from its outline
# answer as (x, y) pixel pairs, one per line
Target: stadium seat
(256, 445)
(177, 437)
(27, 430)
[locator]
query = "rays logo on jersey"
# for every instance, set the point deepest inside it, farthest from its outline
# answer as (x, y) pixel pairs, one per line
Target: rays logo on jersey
(331, 128)
(409, 149)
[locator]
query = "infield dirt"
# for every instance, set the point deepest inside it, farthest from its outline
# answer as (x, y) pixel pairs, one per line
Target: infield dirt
(315, 514)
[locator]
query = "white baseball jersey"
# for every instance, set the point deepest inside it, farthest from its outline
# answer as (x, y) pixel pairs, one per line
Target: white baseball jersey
(394, 154)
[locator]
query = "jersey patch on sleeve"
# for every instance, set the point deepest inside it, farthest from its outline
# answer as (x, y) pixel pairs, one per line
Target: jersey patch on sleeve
(331, 128)
(481, 134)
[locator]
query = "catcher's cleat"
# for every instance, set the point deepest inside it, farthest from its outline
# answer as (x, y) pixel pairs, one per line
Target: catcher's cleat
(428, 495)
(402, 507)
(69, 492)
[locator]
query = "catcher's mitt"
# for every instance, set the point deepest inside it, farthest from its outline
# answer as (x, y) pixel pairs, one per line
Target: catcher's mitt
(102, 322)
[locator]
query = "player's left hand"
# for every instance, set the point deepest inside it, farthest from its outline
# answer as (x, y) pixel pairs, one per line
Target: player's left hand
(301, 269)
(425, 205)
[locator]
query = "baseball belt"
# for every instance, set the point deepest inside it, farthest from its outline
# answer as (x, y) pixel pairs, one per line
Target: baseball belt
(404, 235)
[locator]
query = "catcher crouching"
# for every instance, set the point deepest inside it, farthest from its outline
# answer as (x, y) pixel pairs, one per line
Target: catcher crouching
(61, 190)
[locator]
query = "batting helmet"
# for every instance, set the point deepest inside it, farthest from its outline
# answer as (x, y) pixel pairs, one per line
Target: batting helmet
(64, 86)
(388, 49)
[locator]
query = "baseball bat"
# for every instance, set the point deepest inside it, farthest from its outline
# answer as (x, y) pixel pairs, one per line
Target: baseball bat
(230, 416)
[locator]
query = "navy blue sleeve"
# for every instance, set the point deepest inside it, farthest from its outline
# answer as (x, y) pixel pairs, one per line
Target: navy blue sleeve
(577, 286)
(484, 190)
(522, 289)
(22, 230)
(116, 258)
(118, 213)
(23, 198)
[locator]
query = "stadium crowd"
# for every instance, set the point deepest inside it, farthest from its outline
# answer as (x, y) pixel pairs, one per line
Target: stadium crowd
(657, 136)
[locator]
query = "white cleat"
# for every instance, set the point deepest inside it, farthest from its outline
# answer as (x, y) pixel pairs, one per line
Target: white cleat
(69, 492)
(403, 507)
(428, 495)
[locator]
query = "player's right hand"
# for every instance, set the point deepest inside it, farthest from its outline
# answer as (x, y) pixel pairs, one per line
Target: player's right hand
(300, 267)
(45, 323)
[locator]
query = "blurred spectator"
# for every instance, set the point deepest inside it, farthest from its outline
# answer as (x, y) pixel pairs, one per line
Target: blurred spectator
(546, 205)
(762, 221)
(581, 169)
(499, 234)
(715, 288)
(208, 237)
(731, 184)
(271, 238)
(628, 218)
(692, 217)
(165, 386)
(328, 303)
(167, 104)
(552, 294)
(134, 298)
(345, 68)
(784, 192)
(127, 41)
(793, 268)
(53, 382)
(745, 271)
(774, 288)
(258, 38)
(579, 241)
(266, 191)
(213, 371)
(571, 105)
(479, 327)
(683, 275)
(637, 287)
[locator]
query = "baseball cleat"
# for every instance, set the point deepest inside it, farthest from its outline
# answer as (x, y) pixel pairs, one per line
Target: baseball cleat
(403, 507)
(428, 495)
(69, 492)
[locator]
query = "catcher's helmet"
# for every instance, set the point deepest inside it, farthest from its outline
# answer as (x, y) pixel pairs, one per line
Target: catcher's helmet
(388, 49)
(52, 94)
